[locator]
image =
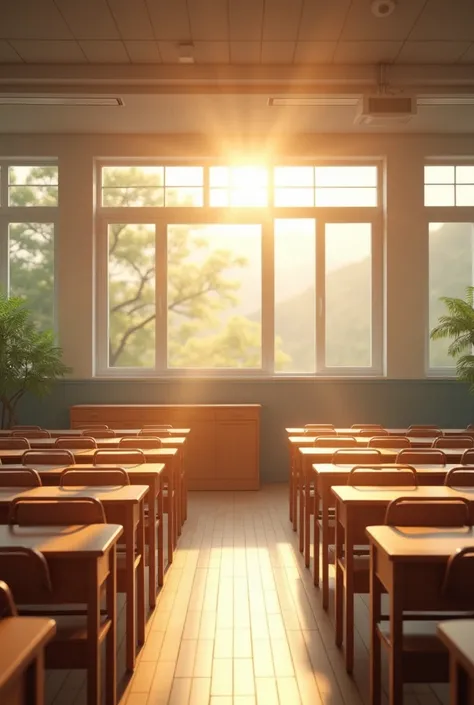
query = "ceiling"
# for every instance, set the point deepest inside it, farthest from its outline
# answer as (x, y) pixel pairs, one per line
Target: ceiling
(245, 51)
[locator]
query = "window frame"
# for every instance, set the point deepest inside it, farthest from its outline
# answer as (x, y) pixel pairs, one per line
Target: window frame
(161, 217)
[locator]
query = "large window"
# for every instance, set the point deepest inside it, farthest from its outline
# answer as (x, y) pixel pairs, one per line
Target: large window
(243, 269)
(28, 217)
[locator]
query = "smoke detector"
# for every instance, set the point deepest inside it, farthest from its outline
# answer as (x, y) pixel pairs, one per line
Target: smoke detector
(382, 8)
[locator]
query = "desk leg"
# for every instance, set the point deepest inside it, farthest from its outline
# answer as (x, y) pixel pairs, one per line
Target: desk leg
(171, 517)
(131, 593)
(458, 684)
(307, 522)
(338, 594)
(375, 655)
(161, 559)
(296, 489)
(325, 551)
(35, 681)
(349, 596)
(290, 491)
(111, 639)
(316, 537)
(93, 626)
(395, 660)
(141, 576)
(303, 488)
(152, 590)
(179, 519)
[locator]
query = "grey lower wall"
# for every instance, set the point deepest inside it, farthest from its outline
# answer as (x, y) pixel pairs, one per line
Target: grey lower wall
(284, 403)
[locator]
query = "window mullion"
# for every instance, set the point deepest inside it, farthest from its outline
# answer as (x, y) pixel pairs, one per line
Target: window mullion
(161, 297)
(268, 297)
(4, 254)
(320, 296)
(102, 298)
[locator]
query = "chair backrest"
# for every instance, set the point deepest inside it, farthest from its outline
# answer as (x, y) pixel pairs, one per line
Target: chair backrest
(343, 456)
(140, 442)
(371, 432)
(31, 433)
(424, 427)
(92, 477)
(317, 431)
(467, 457)
(424, 431)
(16, 562)
(30, 511)
(389, 442)
(460, 476)
(98, 433)
(133, 456)
(26, 477)
(52, 456)
(421, 456)
(458, 579)
(453, 442)
(383, 475)
(92, 426)
(333, 442)
(163, 432)
(424, 511)
(151, 426)
(12, 443)
(22, 427)
(367, 426)
(75, 442)
(7, 603)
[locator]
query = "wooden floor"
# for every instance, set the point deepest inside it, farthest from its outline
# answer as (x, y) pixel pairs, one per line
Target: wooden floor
(239, 621)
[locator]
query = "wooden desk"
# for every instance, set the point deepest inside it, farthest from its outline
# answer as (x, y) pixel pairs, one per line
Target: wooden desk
(82, 560)
(122, 505)
(409, 563)
(57, 432)
(299, 430)
(22, 659)
(324, 477)
(356, 509)
(458, 637)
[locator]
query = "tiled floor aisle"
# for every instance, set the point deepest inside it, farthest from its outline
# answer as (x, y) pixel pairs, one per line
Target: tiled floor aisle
(239, 621)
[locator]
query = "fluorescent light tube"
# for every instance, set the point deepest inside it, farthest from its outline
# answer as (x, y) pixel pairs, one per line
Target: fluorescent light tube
(61, 100)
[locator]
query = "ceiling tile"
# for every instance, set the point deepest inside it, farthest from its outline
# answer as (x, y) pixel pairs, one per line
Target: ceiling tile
(132, 19)
(361, 24)
(245, 18)
(245, 52)
(105, 52)
(366, 52)
(278, 52)
(468, 56)
(32, 19)
(170, 20)
(169, 52)
(445, 20)
(211, 52)
(49, 52)
(143, 52)
(89, 19)
(314, 52)
(7, 54)
(431, 52)
(281, 20)
(209, 20)
(322, 20)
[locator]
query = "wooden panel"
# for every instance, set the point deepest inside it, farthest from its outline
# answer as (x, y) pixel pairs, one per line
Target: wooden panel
(237, 453)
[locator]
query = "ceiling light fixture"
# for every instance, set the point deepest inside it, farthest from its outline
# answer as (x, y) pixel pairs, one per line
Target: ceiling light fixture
(186, 53)
(61, 100)
(382, 8)
(309, 101)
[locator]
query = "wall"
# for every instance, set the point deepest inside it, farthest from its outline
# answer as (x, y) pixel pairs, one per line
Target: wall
(404, 397)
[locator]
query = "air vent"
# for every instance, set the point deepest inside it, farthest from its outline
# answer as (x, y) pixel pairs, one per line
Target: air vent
(385, 109)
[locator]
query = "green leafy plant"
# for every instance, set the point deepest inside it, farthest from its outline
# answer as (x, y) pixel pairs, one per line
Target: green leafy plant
(29, 359)
(458, 325)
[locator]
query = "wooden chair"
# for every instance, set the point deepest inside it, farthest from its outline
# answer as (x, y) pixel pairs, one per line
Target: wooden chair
(132, 456)
(69, 648)
(26, 477)
(453, 442)
(13, 443)
(367, 426)
(326, 426)
(467, 457)
(421, 456)
(154, 432)
(331, 442)
(398, 475)
(349, 456)
(92, 426)
(7, 603)
(370, 433)
(73, 442)
(460, 476)
(389, 442)
(52, 456)
(72, 477)
(319, 429)
(151, 426)
(25, 427)
(424, 511)
(423, 431)
(140, 442)
(31, 433)
(98, 433)
(67, 511)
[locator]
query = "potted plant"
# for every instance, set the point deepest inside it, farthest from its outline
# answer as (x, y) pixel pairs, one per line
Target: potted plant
(458, 325)
(29, 359)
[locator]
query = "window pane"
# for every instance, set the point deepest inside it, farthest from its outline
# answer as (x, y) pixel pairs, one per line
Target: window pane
(450, 273)
(219, 197)
(33, 186)
(245, 177)
(346, 197)
(218, 176)
(296, 197)
(348, 294)
(31, 269)
(249, 197)
(439, 175)
(339, 176)
(465, 174)
(439, 195)
(184, 175)
(214, 296)
(295, 295)
(132, 186)
(465, 195)
(184, 197)
(131, 281)
(294, 176)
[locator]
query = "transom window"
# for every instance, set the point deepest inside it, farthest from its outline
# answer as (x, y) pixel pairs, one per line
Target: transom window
(449, 185)
(241, 269)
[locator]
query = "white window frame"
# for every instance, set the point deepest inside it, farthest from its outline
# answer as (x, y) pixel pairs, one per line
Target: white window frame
(162, 216)
(25, 214)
